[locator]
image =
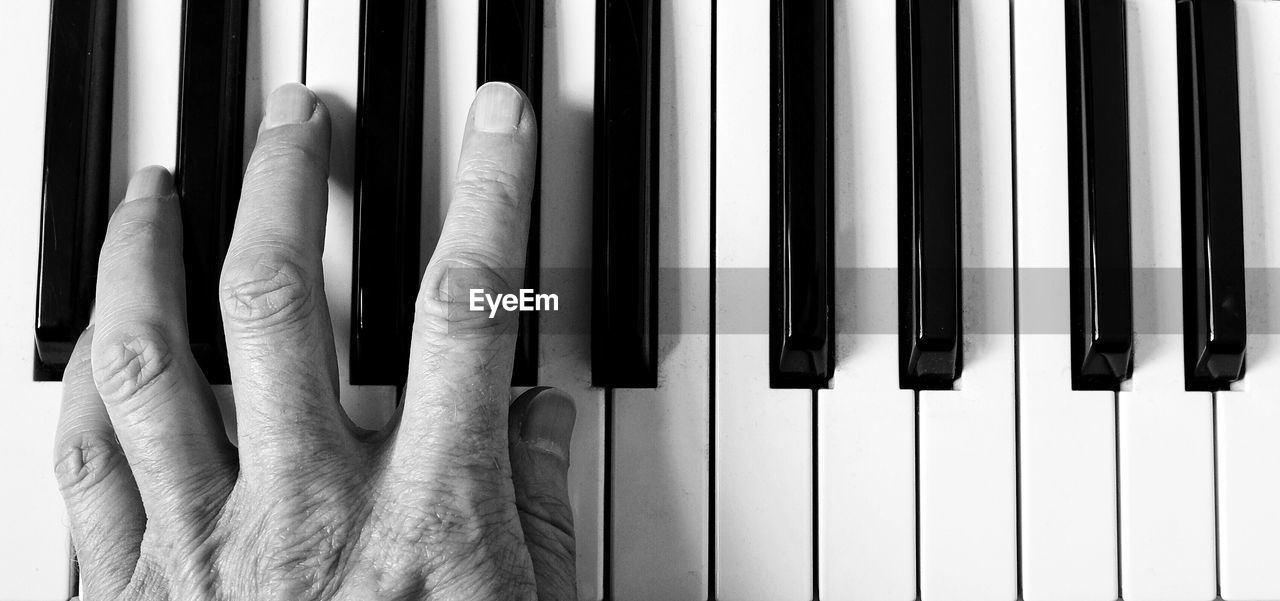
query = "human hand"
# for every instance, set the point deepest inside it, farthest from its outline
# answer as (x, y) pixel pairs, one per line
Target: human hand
(454, 499)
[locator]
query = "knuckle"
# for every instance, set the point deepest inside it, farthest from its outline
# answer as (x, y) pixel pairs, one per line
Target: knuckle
(130, 361)
(484, 179)
(266, 290)
(282, 152)
(549, 507)
(132, 227)
(84, 459)
(465, 270)
(444, 305)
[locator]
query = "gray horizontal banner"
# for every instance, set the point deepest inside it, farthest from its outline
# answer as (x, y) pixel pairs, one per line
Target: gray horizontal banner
(866, 300)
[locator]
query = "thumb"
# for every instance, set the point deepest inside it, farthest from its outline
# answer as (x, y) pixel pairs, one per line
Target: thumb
(539, 430)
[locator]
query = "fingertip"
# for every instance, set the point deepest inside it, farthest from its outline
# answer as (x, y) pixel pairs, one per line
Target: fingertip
(294, 135)
(290, 104)
(520, 405)
(501, 108)
(545, 418)
(500, 144)
(152, 181)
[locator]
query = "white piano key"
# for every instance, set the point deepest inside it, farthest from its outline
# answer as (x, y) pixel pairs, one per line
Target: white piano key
(568, 96)
(968, 544)
(1165, 433)
(274, 55)
(1248, 417)
(763, 437)
(660, 475)
(866, 423)
(35, 555)
(1067, 438)
(332, 72)
(144, 126)
(763, 496)
(449, 85)
(1166, 480)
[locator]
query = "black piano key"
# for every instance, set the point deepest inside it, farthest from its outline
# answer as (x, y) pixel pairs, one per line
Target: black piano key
(802, 263)
(77, 156)
(929, 301)
(388, 190)
(511, 51)
(1212, 217)
(1098, 195)
(209, 166)
(624, 313)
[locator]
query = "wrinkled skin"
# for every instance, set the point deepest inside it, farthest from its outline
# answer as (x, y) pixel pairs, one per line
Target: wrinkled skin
(461, 496)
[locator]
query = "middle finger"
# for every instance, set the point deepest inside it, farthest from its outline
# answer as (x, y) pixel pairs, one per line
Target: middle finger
(279, 338)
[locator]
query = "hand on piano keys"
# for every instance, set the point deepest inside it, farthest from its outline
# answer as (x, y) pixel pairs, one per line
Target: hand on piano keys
(363, 63)
(143, 452)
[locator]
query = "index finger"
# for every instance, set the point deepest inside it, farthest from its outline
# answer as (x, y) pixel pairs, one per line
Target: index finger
(460, 361)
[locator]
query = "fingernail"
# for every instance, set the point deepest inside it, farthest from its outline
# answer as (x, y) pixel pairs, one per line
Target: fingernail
(548, 422)
(289, 104)
(498, 108)
(149, 182)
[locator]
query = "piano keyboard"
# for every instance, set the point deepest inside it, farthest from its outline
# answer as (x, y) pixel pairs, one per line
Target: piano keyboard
(883, 299)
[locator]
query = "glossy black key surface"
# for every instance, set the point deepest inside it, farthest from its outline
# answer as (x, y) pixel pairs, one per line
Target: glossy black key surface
(1098, 195)
(624, 307)
(388, 190)
(1212, 218)
(802, 264)
(929, 301)
(210, 162)
(511, 51)
(77, 157)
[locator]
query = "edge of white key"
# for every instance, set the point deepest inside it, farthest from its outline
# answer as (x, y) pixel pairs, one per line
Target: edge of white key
(1248, 417)
(332, 72)
(763, 437)
(1167, 536)
(35, 557)
(1067, 438)
(866, 423)
(967, 458)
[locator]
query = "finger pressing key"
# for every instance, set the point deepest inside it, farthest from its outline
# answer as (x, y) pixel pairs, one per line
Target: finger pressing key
(456, 396)
(279, 339)
(159, 402)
